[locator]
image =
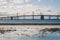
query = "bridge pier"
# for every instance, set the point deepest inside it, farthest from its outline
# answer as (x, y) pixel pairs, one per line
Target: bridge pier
(42, 17)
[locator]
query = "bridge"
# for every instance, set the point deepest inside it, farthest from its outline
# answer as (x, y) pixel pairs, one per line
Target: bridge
(31, 19)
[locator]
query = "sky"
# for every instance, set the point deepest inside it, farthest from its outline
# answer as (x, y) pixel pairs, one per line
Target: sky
(46, 7)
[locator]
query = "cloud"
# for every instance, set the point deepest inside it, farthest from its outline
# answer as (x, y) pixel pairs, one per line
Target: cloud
(27, 9)
(27, 0)
(21, 9)
(39, 0)
(13, 8)
(15, 1)
(18, 1)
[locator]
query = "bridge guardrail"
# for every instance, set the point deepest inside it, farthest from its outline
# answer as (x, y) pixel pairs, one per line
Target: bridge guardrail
(33, 17)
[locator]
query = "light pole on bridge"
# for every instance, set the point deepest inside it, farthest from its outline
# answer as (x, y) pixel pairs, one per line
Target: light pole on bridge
(33, 14)
(17, 15)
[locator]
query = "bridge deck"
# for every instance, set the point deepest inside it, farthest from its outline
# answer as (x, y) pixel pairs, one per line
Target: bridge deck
(36, 19)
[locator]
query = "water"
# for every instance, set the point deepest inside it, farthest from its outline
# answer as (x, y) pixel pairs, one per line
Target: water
(28, 32)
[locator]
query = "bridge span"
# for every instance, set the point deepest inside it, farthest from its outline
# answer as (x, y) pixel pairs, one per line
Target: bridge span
(31, 20)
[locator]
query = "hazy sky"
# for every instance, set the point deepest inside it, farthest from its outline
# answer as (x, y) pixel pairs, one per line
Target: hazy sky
(11, 7)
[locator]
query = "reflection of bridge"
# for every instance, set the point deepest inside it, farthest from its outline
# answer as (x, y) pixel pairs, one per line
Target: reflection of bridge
(31, 19)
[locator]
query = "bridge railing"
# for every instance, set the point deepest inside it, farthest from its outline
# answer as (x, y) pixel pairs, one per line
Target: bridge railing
(32, 17)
